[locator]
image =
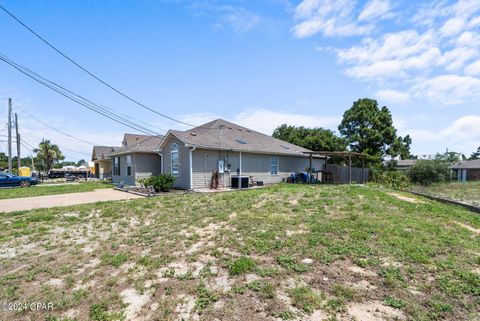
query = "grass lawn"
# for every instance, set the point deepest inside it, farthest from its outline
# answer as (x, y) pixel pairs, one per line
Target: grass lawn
(40, 190)
(287, 252)
(468, 192)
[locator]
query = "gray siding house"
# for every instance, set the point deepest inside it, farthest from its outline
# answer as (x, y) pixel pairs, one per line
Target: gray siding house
(193, 155)
(138, 157)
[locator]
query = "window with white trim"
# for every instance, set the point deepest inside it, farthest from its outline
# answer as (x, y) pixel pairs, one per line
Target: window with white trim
(129, 165)
(175, 161)
(116, 166)
(274, 168)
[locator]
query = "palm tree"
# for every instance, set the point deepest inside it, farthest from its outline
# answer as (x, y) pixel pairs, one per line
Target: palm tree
(48, 153)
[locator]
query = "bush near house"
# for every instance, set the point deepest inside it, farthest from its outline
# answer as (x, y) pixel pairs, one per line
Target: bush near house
(161, 183)
(391, 178)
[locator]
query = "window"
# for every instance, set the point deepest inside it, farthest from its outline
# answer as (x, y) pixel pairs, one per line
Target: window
(116, 166)
(175, 170)
(129, 165)
(274, 170)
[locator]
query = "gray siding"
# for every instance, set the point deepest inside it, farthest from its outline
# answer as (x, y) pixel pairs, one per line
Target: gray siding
(256, 165)
(146, 165)
(129, 180)
(183, 179)
(143, 165)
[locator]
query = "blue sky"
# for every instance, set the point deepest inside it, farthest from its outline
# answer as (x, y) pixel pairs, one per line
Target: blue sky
(257, 63)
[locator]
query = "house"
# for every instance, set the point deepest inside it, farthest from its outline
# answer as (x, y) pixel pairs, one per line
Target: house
(138, 157)
(231, 150)
(103, 163)
(467, 171)
(405, 164)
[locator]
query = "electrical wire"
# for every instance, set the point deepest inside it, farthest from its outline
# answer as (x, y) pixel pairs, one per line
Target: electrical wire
(90, 73)
(76, 98)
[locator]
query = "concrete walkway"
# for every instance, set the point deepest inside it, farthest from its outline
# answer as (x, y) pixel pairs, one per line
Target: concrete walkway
(47, 201)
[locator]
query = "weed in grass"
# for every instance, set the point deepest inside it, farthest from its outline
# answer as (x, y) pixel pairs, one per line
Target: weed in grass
(99, 312)
(289, 263)
(284, 315)
(306, 299)
(241, 266)
(335, 305)
(114, 260)
(392, 302)
(439, 308)
(204, 297)
(393, 277)
(346, 293)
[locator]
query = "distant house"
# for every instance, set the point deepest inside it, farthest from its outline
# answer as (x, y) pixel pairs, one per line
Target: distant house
(102, 161)
(467, 171)
(231, 150)
(138, 157)
(405, 164)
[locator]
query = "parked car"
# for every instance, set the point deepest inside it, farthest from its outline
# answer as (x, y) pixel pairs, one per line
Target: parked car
(9, 180)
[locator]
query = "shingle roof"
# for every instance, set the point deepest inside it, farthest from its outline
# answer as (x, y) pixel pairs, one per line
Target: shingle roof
(133, 143)
(467, 165)
(222, 134)
(101, 152)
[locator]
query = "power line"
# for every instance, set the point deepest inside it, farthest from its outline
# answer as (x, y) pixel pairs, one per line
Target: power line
(53, 128)
(90, 73)
(76, 98)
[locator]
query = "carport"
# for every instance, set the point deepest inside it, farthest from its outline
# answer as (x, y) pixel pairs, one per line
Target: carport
(347, 156)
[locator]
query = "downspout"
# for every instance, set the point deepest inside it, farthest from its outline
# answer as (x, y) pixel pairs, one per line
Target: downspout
(191, 167)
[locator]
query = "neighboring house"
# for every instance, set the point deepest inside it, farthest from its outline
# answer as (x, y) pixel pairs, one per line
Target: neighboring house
(103, 163)
(467, 171)
(405, 164)
(193, 155)
(138, 157)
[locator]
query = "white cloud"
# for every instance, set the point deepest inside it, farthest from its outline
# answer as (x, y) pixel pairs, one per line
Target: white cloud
(473, 68)
(328, 17)
(376, 9)
(448, 89)
(452, 27)
(392, 96)
(462, 135)
(239, 19)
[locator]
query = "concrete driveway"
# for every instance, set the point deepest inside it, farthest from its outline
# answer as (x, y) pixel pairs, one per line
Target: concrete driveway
(47, 201)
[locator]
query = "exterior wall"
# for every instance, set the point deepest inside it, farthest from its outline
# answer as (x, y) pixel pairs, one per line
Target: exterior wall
(123, 177)
(183, 179)
(256, 165)
(104, 169)
(146, 165)
(473, 174)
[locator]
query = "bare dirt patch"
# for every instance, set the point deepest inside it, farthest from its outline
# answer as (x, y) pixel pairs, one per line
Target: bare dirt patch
(374, 311)
(405, 198)
(469, 227)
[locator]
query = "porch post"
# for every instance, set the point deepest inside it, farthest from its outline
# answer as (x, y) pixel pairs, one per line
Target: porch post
(311, 156)
(350, 169)
(240, 171)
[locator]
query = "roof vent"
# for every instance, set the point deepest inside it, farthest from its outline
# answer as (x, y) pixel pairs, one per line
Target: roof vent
(239, 129)
(241, 140)
(193, 134)
(286, 147)
(229, 127)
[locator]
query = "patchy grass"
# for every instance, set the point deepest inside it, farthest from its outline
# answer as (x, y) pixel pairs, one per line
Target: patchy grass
(288, 251)
(468, 192)
(41, 190)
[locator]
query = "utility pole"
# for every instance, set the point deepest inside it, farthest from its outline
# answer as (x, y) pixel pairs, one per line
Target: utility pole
(10, 135)
(18, 142)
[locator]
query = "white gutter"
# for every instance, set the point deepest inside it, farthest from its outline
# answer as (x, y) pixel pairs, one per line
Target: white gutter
(191, 167)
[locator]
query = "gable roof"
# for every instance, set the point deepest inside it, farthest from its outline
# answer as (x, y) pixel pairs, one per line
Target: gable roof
(102, 152)
(133, 143)
(221, 134)
(473, 164)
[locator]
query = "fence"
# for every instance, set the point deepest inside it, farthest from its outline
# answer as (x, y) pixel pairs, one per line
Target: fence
(341, 174)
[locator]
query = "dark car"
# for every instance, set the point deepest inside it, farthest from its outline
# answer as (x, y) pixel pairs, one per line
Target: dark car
(9, 180)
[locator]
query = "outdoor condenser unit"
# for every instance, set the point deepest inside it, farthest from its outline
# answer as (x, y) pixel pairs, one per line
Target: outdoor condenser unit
(243, 181)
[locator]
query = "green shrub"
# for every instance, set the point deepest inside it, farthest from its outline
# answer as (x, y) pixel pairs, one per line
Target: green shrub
(161, 183)
(426, 172)
(391, 178)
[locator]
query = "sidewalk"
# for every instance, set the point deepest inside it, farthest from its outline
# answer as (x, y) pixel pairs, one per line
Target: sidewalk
(47, 201)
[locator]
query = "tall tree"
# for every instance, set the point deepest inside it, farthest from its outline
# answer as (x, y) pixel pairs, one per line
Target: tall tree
(369, 129)
(475, 155)
(48, 153)
(317, 139)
